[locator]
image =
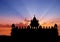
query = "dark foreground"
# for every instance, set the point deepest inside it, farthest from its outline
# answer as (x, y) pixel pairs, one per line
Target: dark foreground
(29, 37)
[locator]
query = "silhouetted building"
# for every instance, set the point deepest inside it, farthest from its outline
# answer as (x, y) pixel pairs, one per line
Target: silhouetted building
(34, 22)
(48, 32)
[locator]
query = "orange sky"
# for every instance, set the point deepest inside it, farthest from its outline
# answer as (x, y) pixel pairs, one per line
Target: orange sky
(15, 11)
(6, 29)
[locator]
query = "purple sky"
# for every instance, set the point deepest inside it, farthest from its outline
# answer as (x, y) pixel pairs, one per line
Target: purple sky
(12, 11)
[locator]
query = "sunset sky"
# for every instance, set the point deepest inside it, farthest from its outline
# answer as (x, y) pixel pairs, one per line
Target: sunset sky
(15, 11)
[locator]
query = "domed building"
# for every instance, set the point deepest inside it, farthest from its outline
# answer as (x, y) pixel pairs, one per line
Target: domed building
(34, 22)
(50, 33)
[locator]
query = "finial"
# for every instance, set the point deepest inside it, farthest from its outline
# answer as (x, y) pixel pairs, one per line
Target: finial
(34, 15)
(34, 18)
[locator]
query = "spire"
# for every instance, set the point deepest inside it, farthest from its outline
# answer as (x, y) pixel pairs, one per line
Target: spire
(34, 22)
(34, 18)
(34, 15)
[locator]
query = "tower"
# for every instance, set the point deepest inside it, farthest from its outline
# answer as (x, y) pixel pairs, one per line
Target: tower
(34, 22)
